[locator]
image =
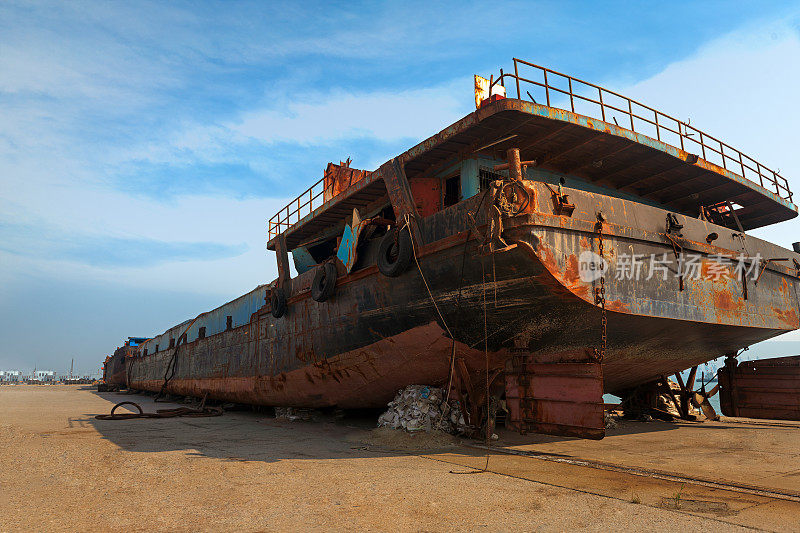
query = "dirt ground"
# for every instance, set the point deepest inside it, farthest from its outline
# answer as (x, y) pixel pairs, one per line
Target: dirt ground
(244, 471)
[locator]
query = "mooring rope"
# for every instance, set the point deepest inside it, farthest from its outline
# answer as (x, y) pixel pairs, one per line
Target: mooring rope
(407, 225)
(422, 275)
(169, 372)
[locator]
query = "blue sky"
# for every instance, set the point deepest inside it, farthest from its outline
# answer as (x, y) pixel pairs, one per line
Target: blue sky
(144, 145)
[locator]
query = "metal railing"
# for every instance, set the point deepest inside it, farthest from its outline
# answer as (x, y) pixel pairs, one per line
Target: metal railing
(594, 101)
(566, 92)
(300, 207)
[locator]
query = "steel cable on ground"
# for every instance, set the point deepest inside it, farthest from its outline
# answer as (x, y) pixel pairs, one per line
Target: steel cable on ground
(161, 413)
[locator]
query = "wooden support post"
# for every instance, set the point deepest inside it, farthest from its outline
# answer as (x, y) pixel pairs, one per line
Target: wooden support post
(730, 365)
(671, 396)
(400, 195)
(684, 394)
(282, 255)
(691, 380)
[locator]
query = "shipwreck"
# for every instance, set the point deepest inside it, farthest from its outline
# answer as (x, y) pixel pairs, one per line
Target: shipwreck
(560, 242)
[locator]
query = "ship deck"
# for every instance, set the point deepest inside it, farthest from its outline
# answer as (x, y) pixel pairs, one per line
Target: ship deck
(654, 156)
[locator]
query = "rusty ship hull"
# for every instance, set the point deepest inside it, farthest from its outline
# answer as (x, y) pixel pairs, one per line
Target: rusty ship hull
(115, 366)
(378, 334)
(494, 294)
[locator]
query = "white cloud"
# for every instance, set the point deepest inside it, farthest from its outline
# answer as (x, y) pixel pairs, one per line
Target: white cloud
(87, 212)
(384, 116)
(741, 88)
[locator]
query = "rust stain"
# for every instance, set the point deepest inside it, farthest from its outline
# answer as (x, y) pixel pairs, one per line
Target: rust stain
(787, 316)
(723, 301)
(570, 278)
(715, 272)
(572, 272)
(617, 305)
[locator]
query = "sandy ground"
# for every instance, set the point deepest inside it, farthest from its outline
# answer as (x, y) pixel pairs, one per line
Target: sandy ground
(64, 470)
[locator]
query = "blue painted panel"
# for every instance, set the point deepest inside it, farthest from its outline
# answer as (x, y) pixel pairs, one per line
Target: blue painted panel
(470, 181)
(303, 262)
(574, 182)
(470, 184)
(215, 321)
(346, 254)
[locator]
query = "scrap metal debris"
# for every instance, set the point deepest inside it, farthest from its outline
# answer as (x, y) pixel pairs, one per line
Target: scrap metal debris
(423, 408)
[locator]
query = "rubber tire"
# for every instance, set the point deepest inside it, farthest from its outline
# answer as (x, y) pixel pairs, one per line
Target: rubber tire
(324, 284)
(394, 259)
(277, 300)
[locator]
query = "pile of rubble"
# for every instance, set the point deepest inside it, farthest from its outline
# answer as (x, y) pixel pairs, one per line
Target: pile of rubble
(610, 421)
(423, 408)
(293, 414)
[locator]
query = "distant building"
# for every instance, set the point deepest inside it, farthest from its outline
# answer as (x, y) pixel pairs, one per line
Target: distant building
(43, 375)
(10, 376)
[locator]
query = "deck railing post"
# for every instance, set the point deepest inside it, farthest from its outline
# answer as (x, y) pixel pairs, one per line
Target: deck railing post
(571, 101)
(602, 107)
(741, 164)
(658, 131)
(546, 87)
(703, 146)
(516, 75)
(630, 112)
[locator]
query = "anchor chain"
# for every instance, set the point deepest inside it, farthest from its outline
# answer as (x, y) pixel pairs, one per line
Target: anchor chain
(600, 295)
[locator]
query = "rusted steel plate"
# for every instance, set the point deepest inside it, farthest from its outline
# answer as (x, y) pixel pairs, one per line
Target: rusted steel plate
(115, 366)
(768, 388)
(340, 177)
(557, 398)
(345, 351)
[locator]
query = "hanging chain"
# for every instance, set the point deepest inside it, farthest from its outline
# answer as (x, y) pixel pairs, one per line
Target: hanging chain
(600, 295)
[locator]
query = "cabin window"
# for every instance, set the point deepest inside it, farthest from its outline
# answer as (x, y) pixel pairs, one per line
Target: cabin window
(452, 190)
(156, 350)
(172, 343)
(145, 351)
(229, 322)
(201, 333)
(486, 177)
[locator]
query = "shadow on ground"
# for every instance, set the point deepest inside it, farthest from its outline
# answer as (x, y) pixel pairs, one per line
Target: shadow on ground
(253, 436)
